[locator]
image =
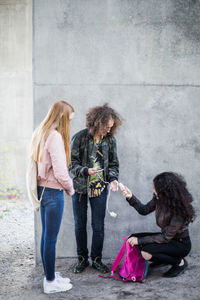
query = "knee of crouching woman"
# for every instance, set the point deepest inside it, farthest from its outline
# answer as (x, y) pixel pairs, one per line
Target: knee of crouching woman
(146, 255)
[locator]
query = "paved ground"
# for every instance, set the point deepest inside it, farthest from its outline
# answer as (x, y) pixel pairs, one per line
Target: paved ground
(20, 279)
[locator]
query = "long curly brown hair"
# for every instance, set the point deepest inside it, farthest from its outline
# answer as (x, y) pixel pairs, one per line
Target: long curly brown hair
(97, 118)
(173, 194)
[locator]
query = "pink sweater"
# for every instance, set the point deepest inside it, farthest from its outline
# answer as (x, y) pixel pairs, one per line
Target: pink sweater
(54, 166)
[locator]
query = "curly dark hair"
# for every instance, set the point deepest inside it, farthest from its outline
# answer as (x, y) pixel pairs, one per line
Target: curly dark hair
(98, 117)
(174, 195)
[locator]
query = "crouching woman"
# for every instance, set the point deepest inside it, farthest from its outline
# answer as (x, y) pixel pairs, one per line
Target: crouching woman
(173, 211)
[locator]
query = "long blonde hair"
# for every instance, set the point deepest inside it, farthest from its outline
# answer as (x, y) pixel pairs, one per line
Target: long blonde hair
(58, 118)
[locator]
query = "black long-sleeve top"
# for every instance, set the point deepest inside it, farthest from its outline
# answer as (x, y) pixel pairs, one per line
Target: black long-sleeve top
(172, 227)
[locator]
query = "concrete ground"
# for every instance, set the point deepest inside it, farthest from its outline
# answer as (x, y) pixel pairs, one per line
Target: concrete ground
(20, 279)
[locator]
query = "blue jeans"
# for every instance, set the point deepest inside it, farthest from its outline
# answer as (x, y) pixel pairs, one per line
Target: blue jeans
(51, 211)
(98, 210)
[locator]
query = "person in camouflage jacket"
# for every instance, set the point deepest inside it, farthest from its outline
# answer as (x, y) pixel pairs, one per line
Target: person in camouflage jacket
(82, 147)
(94, 163)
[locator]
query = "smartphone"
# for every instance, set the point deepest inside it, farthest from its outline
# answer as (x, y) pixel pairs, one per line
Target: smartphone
(99, 170)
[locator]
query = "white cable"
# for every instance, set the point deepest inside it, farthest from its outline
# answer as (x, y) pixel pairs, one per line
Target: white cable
(111, 213)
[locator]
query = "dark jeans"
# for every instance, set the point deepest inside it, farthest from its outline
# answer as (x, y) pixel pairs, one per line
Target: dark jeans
(98, 209)
(51, 211)
(167, 253)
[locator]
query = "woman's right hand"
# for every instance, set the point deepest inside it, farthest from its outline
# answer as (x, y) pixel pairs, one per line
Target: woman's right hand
(126, 192)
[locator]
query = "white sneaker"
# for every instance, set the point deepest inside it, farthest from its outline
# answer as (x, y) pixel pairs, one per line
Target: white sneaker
(65, 280)
(55, 286)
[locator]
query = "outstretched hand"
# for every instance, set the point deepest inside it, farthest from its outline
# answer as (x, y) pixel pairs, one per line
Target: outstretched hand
(126, 192)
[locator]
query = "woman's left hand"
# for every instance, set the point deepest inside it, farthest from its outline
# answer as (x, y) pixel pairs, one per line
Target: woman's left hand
(71, 192)
(133, 241)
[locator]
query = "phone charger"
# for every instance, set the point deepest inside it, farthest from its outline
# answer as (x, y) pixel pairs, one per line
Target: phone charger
(121, 185)
(113, 214)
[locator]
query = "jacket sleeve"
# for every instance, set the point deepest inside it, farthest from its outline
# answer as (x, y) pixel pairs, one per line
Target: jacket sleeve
(113, 162)
(76, 168)
(56, 151)
(166, 235)
(142, 209)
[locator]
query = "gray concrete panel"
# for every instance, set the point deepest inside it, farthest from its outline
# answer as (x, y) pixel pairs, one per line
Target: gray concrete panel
(16, 103)
(112, 42)
(159, 134)
(143, 58)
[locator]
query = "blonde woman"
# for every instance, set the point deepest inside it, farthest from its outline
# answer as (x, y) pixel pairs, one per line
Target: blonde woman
(50, 148)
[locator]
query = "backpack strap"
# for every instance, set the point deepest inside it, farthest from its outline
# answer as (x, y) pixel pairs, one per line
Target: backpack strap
(119, 256)
(131, 248)
(118, 260)
(40, 200)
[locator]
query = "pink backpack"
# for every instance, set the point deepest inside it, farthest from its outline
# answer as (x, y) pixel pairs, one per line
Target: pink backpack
(134, 266)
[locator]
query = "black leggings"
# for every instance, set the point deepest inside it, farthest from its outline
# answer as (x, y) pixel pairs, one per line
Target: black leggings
(167, 253)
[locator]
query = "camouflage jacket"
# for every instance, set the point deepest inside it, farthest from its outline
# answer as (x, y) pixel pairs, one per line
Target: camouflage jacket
(82, 146)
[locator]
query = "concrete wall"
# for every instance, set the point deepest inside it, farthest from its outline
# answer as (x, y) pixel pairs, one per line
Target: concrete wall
(16, 106)
(142, 57)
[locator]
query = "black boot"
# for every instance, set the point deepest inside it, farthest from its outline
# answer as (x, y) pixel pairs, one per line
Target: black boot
(176, 270)
(81, 265)
(98, 265)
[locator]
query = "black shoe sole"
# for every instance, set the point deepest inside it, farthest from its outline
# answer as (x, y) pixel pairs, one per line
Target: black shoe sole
(173, 275)
(169, 274)
(100, 270)
(81, 270)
